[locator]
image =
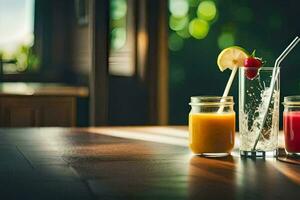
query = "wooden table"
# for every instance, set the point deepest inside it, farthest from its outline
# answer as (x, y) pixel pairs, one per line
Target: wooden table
(40, 104)
(131, 163)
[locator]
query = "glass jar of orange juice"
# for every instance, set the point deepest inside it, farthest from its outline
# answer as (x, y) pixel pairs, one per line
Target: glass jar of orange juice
(211, 125)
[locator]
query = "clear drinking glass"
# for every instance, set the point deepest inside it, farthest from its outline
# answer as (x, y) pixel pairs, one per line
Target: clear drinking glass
(253, 95)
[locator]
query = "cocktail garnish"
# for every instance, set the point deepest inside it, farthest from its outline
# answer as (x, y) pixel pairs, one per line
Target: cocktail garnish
(252, 65)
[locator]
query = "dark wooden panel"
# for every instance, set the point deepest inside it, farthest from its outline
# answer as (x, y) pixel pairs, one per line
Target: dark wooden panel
(20, 116)
(98, 76)
(59, 112)
(37, 111)
(80, 44)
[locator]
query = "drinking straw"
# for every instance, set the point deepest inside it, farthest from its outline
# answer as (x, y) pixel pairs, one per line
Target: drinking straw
(275, 74)
(228, 86)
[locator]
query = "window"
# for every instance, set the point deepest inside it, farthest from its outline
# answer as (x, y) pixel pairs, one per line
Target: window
(118, 23)
(122, 52)
(17, 36)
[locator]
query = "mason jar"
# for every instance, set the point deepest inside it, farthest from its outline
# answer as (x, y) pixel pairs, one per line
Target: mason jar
(291, 124)
(211, 125)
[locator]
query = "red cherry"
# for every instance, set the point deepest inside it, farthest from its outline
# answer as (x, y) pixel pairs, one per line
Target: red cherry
(252, 64)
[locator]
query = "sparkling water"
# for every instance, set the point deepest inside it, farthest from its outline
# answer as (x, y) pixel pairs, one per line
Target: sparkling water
(253, 99)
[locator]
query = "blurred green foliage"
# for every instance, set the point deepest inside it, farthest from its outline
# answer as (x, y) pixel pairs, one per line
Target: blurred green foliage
(191, 18)
(267, 26)
(26, 60)
(118, 24)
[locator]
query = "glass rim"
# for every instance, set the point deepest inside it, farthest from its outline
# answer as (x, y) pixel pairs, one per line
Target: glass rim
(293, 100)
(211, 100)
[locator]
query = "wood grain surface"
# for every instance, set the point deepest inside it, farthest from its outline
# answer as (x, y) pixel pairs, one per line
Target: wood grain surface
(131, 163)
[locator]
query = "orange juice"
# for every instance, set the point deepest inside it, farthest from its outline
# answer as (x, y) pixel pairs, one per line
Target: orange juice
(211, 132)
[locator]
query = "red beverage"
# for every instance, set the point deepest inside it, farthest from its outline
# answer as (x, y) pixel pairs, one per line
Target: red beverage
(291, 127)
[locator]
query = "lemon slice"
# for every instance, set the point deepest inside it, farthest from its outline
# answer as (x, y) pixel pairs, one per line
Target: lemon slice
(232, 57)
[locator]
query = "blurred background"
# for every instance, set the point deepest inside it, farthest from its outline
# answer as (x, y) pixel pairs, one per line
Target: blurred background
(130, 62)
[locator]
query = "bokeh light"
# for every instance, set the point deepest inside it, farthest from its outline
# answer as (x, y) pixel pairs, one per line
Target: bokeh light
(179, 8)
(207, 10)
(177, 24)
(198, 28)
(175, 42)
(226, 39)
(184, 33)
(118, 9)
(118, 38)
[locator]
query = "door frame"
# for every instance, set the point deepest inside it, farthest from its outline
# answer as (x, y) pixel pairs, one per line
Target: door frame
(98, 77)
(154, 66)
